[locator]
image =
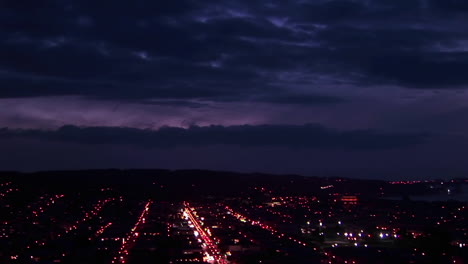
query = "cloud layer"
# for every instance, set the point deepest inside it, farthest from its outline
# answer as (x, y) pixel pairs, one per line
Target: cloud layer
(232, 50)
(306, 136)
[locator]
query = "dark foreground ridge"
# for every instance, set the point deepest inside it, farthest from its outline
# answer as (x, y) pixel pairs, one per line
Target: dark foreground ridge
(196, 216)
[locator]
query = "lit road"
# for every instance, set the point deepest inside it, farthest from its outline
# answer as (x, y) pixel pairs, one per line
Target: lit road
(129, 241)
(214, 254)
(267, 227)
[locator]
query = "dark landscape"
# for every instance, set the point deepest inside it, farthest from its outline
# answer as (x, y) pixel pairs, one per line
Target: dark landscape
(197, 216)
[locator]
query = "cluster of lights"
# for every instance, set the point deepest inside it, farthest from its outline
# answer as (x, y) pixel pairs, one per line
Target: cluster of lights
(352, 236)
(132, 236)
(152, 234)
(386, 235)
(246, 237)
(326, 187)
(4, 231)
(7, 191)
(285, 217)
(416, 234)
(187, 260)
(91, 214)
(111, 239)
(355, 244)
(263, 190)
(97, 208)
(407, 182)
(295, 199)
(212, 252)
(48, 202)
(349, 199)
(168, 226)
(273, 231)
(295, 202)
(102, 229)
(332, 259)
(3, 235)
(5, 184)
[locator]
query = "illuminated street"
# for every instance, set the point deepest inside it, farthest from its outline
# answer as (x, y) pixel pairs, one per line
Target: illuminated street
(213, 254)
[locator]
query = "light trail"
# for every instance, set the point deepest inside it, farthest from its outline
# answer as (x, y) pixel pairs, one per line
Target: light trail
(98, 207)
(129, 241)
(273, 231)
(101, 230)
(214, 254)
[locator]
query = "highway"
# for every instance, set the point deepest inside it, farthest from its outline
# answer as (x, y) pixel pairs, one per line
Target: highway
(210, 247)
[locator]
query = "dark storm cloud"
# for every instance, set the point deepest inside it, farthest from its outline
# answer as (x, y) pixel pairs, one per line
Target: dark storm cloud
(299, 99)
(231, 50)
(423, 70)
(306, 136)
(113, 68)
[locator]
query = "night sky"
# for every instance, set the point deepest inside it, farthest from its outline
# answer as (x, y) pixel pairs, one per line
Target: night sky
(362, 88)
